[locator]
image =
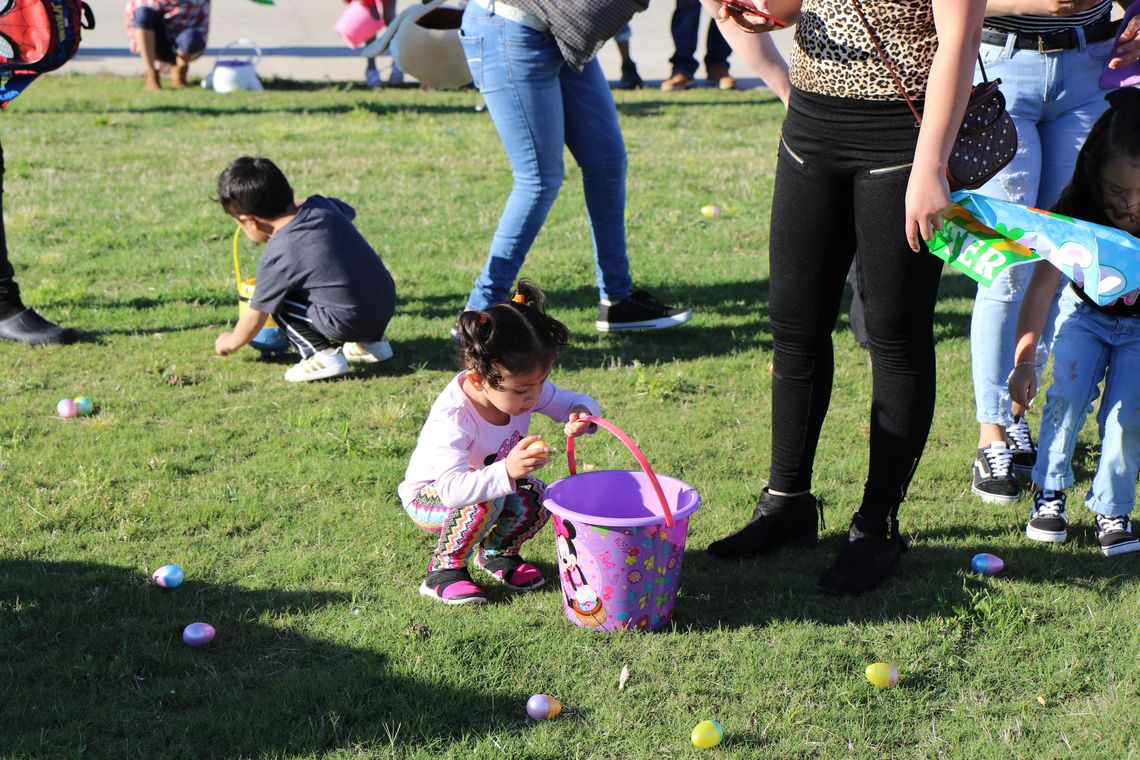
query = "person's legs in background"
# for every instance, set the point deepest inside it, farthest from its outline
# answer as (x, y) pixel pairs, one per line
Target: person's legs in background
(17, 322)
(516, 69)
(1054, 100)
(630, 79)
(685, 28)
(188, 46)
(717, 51)
(149, 35)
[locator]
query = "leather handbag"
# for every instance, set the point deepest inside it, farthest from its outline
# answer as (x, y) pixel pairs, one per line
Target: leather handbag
(987, 138)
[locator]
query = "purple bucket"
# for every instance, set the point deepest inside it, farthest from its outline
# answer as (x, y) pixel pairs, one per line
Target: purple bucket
(620, 537)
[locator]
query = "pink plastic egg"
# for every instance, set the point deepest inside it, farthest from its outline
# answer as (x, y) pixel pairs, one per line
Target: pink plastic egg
(986, 563)
(66, 408)
(168, 576)
(198, 634)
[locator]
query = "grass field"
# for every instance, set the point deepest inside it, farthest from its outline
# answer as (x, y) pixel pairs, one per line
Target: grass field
(279, 501)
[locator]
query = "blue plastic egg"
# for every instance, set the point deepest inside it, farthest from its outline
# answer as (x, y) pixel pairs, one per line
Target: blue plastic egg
(198, 634)
(168, 576)
(986, 563)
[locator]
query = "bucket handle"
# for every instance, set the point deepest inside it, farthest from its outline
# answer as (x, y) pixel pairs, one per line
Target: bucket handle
(237, 266)
(629, 444)
(245, 43)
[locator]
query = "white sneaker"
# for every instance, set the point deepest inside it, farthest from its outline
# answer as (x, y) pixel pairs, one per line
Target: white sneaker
(319, 366)
(367, 353)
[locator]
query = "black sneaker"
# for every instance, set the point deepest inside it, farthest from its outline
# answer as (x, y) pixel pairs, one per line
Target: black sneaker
(993, 478)
(777, 520)
(1115, 535)
(630, 79)
(1024, 449)
(1047, 523)
(640, 311)
(867, 558)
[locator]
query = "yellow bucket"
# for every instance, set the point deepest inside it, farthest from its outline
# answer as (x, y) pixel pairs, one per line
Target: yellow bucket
(244, 287)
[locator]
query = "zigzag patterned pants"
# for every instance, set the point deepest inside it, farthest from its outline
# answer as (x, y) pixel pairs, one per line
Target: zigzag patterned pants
(499, 527)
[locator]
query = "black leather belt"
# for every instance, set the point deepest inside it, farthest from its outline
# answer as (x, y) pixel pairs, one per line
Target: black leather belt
(1066, 39)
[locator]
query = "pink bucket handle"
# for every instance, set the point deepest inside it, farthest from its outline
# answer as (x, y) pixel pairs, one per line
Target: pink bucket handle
(641, 460)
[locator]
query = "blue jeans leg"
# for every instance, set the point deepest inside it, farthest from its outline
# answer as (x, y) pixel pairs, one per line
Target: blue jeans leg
(1113, 489)
(594, 138)
(685, 27)
(1053, 99)
(517, 71)
(717, 49)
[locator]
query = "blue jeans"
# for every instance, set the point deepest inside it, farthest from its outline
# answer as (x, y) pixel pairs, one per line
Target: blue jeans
(686, 28)
(538, 104)
(1054, 100)
(1092, 346)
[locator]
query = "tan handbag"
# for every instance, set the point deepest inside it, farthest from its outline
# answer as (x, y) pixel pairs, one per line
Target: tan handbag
(987, 138)
(424, 42)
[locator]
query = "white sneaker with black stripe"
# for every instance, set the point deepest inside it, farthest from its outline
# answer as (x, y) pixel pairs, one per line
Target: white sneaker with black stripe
(367, 353)
(320, 366)
(1047, 522)
(1115, 536)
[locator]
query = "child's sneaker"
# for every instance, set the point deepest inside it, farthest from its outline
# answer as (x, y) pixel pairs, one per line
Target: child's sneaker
(511, 571)
(452, 587)
(1047, 523)
(1115, 535)
(372, 78)
(1024, 450)
(367, 353)
(319, 366)
(993, 479)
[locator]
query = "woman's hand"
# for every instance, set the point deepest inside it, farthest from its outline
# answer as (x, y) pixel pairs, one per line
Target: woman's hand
(748, 22)
(1022, 383)
(927, 198)
(523, 460)
(1127, 49)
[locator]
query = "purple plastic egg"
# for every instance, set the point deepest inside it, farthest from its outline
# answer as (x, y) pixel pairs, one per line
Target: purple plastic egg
(543, 707)
(66, 408)
(986, 563)
(198, 634)
(168, 576)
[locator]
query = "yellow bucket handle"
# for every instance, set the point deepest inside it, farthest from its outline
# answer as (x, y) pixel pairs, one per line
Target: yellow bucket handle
(237, 267)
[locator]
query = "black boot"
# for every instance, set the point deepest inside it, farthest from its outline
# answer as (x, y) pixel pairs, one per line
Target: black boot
(867, 557)
(776, 521)
(630, 79)
(21, 324)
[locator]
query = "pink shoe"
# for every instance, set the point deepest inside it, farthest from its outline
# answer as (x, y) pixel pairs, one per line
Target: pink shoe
(511, 571)
(452, 587)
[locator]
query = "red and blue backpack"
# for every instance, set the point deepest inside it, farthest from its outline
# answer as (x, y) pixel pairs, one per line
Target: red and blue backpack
(37, 36)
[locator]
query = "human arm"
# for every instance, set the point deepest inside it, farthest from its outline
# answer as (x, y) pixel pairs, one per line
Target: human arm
(1060, 8)
(958, 24)
(566, 406)
(1035, 306)
(757, 51)
(247, 327)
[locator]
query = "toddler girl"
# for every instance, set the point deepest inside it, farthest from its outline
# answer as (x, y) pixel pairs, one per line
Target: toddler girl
(1093, 343)
(469, 478)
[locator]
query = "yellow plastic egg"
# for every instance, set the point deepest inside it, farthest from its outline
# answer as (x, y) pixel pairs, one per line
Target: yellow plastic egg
(707, 733)
(710, 211)
(882, 675)
(539, 444)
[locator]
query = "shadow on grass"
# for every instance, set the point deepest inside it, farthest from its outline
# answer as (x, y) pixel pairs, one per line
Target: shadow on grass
(94, 662)
(932, 580)
(220, 110)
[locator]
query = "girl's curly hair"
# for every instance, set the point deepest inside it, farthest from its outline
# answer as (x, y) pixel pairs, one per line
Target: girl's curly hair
(517, 336)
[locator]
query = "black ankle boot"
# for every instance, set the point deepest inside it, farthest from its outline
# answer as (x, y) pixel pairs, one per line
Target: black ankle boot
(630, 79)
(27, 326)
(776, 521)
(866, 559)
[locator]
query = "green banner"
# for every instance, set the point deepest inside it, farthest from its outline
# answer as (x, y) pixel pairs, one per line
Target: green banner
(979, 252)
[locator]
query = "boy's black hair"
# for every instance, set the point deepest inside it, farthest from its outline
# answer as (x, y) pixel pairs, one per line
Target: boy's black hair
(517, 336)
(1116, 133)
(254, 186)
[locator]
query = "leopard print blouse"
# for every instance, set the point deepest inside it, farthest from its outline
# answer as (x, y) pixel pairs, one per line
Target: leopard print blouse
(835, 56)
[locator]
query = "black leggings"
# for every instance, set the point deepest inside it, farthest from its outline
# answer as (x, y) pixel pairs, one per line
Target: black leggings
(5, 268)
(840, 188)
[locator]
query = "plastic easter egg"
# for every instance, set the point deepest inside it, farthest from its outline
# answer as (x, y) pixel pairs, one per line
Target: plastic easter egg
(710, 211)
(882, 675)
(198, 634)
(707, 733)
(539, 444)
(986, 563)
(84, 405)
(65, 408)
(543, 707)
(168, 576)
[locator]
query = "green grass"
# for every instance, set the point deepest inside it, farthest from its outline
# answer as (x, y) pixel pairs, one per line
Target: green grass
(280, 503)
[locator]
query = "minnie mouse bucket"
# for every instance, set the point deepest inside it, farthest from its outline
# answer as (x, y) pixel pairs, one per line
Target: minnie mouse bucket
(620, 537)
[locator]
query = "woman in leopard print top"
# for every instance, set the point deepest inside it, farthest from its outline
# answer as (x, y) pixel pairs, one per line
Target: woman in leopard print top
(856, 178)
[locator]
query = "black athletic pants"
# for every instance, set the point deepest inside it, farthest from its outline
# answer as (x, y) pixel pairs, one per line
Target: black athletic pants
(840, 188)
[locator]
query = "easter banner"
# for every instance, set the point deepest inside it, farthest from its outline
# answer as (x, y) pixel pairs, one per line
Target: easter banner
(982, 236)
